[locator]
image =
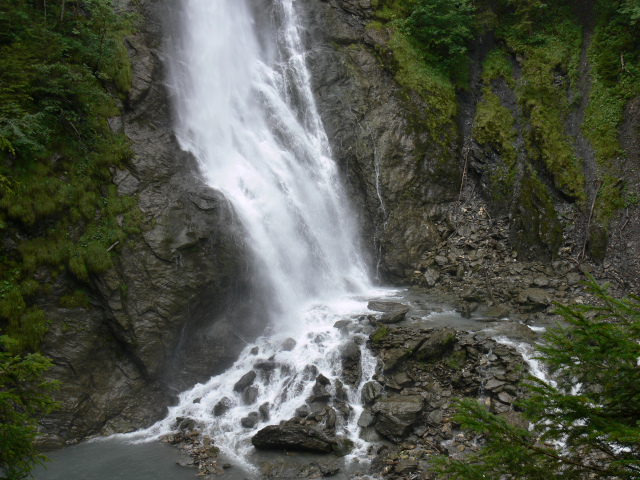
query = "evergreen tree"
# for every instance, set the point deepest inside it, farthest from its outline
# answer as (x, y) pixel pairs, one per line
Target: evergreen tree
(587, 422)
(23, 397)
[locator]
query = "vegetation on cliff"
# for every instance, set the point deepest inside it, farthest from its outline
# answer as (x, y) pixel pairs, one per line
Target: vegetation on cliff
(587, 425)
(23, 396)
(61, 65)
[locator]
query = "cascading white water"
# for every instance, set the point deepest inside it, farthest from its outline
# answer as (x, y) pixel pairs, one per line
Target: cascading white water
(246, 111)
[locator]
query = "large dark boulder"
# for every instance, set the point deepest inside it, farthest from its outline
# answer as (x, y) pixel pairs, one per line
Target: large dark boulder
(290, 436)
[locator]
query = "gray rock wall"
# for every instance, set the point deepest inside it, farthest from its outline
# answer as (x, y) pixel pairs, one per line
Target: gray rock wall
(178, 304)
(399, 176)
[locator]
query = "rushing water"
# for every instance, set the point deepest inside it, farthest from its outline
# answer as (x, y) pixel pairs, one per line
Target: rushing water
(245, 110)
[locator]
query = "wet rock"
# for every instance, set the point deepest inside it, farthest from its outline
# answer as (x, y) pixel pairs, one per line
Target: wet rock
(254, 351)
(402, 379)
(438, 343)
(406, 465)
(290, 436)
(371, 391)
(264, 411)
(431, 277)
(396, 414)
(342, 446)
(246, 381)
(367, 418)
(303, 411)
(331, 419)
(395, 359)
(342, 324)
(534, 296)
(250, 395)
(266, 365)
(499, 311)
(250, 420)
(351, 369)
(393, 312)
(289, 344)
(185, 423)
(221, 407)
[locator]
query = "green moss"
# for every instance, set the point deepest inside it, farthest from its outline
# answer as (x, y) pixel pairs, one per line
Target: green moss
(379, 334)
(536, 230)
(494, 126)
(497, 65)
(456, 360)
(77, 299)
(414, 74)
(543, 100)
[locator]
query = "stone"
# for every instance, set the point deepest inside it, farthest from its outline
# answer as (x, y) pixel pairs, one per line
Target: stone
(250, 395)
(515, 419)
(366, 419)
(350, 358)
(535, 296)
(254, 351)
(371, 391)
(493, 384)
(246, 381)
(406, 465)
(402, 379)
(250, 420)
(264, 412)
(331, 419)
(395, 415)
(436, 345)
(541, 281)
(573, 278)
(393, 312)
(221, 407)
(499, 311)
(342, 446)
(303, 411)
(431, 277)
(342, 324)
(288, 345)
(290, 436)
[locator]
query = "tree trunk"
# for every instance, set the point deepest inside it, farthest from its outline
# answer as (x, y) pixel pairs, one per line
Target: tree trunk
(62, 11)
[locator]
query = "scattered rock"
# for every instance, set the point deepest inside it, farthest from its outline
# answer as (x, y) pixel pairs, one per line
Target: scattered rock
(250, 420)
(289, 344)
(246, 381)
(222, 406)
(250, 395)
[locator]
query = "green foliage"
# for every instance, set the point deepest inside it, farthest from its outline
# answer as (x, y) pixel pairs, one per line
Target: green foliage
(493, 126)
(23, 397)
(587, 425)
(57, 202)
(442, 30)
(497, 65)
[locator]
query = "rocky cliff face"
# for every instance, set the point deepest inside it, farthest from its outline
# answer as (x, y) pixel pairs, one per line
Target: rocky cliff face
(400, 174)
(173, 310)
(406, 175)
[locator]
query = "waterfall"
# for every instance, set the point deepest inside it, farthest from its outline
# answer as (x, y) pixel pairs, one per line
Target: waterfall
(245, 110)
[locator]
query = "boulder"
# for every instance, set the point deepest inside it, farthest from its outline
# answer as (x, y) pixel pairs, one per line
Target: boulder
(289, 344)
(370, 392)
(250, 395)
(221, 407)
(534, 296)
(351, 369)
(250, 420)
(395, 415)
(393, 312)
(431, 277)
(437, 345)
(291, 436)
(246, 381)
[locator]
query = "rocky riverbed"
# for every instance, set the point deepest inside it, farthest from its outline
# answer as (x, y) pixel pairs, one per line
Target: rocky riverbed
(427, 356)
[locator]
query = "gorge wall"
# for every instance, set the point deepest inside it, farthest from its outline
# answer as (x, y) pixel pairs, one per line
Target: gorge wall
(174, 309)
